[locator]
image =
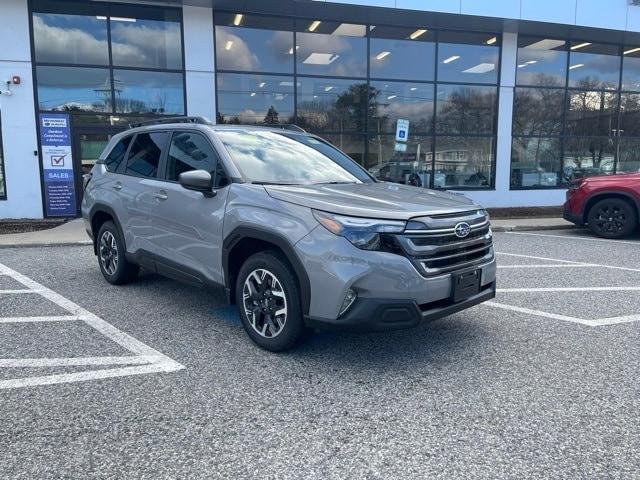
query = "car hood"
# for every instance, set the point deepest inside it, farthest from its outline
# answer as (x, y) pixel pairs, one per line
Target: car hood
(375, 200)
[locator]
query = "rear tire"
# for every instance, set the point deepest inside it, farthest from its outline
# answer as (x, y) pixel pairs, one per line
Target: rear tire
(612, 218)
(111, 256)
(268, 296)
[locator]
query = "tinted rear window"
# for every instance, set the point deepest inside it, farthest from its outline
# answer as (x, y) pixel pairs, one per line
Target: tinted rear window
(115, 157)
(144, 155)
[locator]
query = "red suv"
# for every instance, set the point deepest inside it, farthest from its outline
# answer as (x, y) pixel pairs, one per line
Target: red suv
(609, 205)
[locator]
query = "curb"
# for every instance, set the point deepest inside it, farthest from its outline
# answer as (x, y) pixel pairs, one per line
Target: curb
(79, 243)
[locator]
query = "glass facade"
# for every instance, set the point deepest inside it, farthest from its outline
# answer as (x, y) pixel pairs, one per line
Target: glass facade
(108, 58)
(351, 84)
(575, 111)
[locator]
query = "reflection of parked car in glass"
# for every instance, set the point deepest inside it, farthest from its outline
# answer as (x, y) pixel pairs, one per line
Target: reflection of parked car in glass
(609, 204)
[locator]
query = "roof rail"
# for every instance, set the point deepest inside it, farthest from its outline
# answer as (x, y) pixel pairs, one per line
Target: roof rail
(289, 126)
(160, 121)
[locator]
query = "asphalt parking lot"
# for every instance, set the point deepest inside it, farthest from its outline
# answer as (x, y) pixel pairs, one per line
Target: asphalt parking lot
(158, 380)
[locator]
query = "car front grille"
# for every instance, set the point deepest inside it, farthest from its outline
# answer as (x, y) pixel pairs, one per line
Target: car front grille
(435, 249)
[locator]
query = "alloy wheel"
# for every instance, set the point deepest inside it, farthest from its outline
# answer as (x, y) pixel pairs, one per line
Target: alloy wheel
(109, 253)
(265, 303)
(611, 219)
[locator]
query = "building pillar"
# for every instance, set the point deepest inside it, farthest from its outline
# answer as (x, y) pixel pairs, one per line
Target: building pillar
(505, 113)
(199, 61)
(17, 115)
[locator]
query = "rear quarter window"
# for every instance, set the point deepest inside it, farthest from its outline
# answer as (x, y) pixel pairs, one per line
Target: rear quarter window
(116, 155)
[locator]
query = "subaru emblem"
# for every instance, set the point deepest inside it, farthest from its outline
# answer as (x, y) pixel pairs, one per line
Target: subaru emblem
(462, 230)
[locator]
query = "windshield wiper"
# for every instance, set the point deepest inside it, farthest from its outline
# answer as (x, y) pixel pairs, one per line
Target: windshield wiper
(275, 183)
(333, 183)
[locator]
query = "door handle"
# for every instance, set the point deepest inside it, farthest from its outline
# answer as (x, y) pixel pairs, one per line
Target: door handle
(160, 195)
(117, 186)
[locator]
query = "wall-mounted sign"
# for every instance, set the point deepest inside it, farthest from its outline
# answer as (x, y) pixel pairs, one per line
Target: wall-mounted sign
(402, 130)
(57, 165)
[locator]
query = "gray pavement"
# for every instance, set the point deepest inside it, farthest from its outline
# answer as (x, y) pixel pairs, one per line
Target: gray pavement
(493, 392)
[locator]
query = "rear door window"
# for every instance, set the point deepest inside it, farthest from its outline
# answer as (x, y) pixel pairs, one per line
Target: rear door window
(144, 154)
(116, 156)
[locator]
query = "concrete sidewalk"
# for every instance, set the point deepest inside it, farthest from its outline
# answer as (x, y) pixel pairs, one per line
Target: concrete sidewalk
(70, 233)
(73, 232)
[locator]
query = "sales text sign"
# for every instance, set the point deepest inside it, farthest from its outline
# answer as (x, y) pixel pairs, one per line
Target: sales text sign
(57, 165)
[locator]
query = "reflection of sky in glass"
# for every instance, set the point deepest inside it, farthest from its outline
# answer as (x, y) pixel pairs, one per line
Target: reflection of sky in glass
(271, 157)
(70, 88)
(70, 39)
(406, 60)
(248, 98)
(413, 102)
(470, 57)
(143, 92)
(541, 67)
(146, 43)
(593, 70)
(631, 74)
(83, 40)
(252, 49)
(347, 55)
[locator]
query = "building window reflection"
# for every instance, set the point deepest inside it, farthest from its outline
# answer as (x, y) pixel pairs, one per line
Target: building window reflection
(255, 99)
(352, 83)
(72, 52)
(586, 124)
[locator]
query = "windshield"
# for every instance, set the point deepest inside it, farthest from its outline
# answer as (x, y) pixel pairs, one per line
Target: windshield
(272, 157)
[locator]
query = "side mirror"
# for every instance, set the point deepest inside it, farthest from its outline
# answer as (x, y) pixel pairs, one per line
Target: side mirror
(198, 181)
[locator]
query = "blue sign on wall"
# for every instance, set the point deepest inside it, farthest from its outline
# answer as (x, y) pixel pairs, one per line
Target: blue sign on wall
(57, 165)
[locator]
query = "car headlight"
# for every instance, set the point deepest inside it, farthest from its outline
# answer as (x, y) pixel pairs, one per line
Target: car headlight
(364, 233)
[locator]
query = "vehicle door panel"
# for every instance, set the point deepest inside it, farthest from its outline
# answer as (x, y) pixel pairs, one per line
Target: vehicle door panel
(187, 226)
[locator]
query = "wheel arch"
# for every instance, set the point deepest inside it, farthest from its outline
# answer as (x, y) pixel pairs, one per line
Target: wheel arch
(601, 195)
(98, 215)
(243, 242)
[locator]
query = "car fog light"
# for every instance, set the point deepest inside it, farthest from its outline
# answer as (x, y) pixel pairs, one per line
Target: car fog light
(348, 301)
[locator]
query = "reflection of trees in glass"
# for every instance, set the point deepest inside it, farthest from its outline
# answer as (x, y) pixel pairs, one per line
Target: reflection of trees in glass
(538, 111)
(589, 153)
(343, 112)
(591, 112)
(467, 110)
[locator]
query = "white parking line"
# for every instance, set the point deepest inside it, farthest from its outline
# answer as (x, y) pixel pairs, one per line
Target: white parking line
(544, 265)
(572, 237)
(59, 318)
(566, 264)
(19, 290)
(569, 289)
(569, 261)
(152, 361)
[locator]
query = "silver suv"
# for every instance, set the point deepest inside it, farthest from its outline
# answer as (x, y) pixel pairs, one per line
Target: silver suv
(297, 233)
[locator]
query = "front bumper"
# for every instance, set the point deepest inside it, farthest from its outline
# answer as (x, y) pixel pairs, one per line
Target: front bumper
(571, 216)
(392, 293)
(371, 314)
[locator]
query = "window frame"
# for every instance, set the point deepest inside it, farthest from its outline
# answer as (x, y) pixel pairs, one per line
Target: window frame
(164, 168)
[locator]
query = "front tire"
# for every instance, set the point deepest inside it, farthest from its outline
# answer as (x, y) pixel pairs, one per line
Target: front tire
(268, 297)
(111, 256)
(612, 218)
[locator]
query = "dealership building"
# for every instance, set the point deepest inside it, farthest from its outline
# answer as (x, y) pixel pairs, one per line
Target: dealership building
(506, 101)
